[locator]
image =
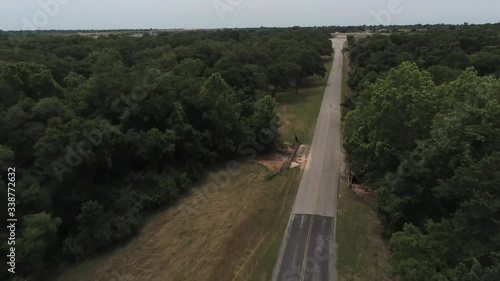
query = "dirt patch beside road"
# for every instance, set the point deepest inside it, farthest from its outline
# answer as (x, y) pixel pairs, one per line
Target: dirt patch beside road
(274, 161)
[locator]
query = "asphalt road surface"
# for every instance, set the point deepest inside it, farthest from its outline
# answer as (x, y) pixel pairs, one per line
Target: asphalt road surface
(307, 252)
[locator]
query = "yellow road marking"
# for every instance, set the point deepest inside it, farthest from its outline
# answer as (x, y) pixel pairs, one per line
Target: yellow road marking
(306, 250)
(304, 260)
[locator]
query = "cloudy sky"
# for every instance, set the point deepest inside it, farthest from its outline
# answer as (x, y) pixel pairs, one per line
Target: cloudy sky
(118, 14)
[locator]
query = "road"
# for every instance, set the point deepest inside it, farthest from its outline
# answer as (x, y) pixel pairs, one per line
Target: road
(307, 252)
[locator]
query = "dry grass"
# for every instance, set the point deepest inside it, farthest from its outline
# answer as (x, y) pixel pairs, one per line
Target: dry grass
(219, 242)
(273, 218)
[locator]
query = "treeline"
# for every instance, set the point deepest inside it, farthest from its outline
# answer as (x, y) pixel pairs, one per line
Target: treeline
(373, 28)
(445, 51)
(422, 130)
(102, 130)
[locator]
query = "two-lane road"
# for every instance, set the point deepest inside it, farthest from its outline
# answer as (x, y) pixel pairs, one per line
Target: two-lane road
(307, 252)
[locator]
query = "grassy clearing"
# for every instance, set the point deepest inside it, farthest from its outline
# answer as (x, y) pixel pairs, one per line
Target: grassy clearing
(299, 112)
(362, 253)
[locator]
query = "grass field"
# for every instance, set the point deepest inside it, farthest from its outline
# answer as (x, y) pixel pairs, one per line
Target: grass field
(238, 231)
(300, 111)
(362, 253)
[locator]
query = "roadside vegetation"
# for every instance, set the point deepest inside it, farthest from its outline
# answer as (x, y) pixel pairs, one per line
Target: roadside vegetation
(103, 131)
(422, 131)
(299, 112)
(251, 240)
(362, 254)
(225, 240)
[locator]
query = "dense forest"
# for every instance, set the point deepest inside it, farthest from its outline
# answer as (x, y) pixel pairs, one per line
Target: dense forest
(103, 130)
(422, 129)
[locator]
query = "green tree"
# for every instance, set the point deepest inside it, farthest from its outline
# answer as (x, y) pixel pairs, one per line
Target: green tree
(222, 112)
(38, 243)
(265, 121)
(417, 256)
(390, 115)
(281, 75)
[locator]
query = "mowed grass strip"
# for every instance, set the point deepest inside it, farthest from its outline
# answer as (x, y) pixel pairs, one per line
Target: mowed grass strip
(299, 111)
(362, 253)
(272, 219)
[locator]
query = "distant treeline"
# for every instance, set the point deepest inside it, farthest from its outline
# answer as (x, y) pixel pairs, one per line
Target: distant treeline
(103, 130)
(333, 28)
(422, 129)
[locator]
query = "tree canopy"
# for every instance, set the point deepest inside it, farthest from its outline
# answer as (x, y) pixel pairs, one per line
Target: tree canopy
(103, 130)
(430, 149)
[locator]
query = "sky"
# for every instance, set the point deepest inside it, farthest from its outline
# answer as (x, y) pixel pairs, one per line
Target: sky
(164, 14)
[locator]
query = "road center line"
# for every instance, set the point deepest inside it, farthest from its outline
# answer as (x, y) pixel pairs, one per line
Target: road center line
(308, 239)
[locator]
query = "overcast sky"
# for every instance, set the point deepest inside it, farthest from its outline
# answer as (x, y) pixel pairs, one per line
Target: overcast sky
(125, 14)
